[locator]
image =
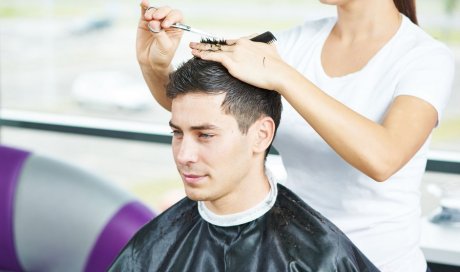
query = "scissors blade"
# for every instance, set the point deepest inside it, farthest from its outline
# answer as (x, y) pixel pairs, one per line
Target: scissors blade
(194, 30)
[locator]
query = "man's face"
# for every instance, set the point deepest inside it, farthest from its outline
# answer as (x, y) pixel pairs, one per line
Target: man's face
(212, 155)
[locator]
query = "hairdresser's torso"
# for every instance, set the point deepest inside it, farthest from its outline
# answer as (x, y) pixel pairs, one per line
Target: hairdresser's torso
(382, 219)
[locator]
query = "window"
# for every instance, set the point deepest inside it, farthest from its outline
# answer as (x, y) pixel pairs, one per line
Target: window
(77, 58)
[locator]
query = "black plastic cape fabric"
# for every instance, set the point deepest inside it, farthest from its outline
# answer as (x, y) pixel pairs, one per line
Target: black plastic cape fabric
(291, 236)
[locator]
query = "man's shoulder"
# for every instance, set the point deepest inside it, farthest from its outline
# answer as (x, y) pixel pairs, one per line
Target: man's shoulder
(308, 230)
(160, 233)
(156, 236)
(288, 200)
(174, 219)
(289, 203)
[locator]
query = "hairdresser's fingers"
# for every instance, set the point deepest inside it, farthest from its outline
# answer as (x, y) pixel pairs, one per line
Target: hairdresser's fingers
(251, 44)
(231, 41)
(214, 47)
(153, 13)
(235, 41)
(252, 68)
(163, 43)
(206, 46)
(148, 14)
(241, 40)
(144, 6)
(200, 46)
(161, 12)
(250, 36)
(142, 21)
(209, 47)
(154, 26)
(218, 56)
(174, 16)
(165, 15)
(226, 48)
(146, 26)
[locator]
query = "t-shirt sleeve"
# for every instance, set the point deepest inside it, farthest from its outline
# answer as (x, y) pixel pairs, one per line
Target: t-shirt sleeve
(429, 76)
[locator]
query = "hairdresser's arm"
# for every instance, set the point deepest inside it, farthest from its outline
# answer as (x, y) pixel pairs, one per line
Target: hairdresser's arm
(377, 150)
(155, 51)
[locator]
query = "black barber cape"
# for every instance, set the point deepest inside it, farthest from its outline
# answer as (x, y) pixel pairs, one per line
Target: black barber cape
(291, 236)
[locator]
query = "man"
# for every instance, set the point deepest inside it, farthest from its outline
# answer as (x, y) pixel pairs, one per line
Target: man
(235, 216)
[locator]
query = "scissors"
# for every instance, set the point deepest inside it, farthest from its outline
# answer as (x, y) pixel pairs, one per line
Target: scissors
(186, 28)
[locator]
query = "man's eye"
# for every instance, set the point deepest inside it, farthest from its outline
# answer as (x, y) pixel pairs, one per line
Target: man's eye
(176, 133)
(206, 135)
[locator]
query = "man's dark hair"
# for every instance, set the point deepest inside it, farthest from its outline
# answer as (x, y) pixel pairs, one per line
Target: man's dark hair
(245, 102)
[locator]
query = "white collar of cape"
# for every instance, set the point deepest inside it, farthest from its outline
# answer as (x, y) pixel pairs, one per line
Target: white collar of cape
(246, 216)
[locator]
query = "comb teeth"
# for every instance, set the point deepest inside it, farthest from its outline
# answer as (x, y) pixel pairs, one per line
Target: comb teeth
(266, 37)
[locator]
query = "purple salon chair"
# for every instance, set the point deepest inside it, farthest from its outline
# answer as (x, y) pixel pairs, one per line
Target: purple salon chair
(56, 217)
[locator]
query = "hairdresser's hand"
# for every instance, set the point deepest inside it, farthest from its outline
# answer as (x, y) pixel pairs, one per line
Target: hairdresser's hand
(252, 62)
(156, 50)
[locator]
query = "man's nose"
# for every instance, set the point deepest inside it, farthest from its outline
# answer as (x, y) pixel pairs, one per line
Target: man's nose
(187, 151)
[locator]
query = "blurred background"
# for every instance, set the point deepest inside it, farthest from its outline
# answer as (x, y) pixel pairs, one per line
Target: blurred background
(76, 59)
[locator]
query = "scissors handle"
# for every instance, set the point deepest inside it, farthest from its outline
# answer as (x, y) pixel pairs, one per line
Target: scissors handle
(181, 26)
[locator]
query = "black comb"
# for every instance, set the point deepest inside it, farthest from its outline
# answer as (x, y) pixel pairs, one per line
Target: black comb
(266, 37)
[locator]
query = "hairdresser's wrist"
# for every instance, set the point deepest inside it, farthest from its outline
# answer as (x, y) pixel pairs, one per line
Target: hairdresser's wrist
(155, 69)
(284, 73)
(156, 77)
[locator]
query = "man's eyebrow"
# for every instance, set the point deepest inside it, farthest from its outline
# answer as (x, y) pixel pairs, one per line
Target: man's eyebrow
(200, 127)
(172, 125)
(204, 127)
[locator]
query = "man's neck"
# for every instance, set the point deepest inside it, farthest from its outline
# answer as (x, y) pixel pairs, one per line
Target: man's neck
(241, 214)
(245, 197)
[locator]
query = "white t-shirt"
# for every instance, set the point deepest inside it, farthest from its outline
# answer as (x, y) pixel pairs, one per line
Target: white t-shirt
(382, 219)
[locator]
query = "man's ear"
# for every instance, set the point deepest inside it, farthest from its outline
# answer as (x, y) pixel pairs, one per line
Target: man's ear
(264, 131)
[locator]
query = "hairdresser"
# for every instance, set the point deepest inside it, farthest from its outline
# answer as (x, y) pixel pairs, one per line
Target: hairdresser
(362, 92)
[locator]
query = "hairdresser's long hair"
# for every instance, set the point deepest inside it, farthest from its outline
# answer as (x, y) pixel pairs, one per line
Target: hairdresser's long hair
(407, 7)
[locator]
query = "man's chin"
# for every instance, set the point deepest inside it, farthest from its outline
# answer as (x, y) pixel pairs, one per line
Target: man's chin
(195, 196)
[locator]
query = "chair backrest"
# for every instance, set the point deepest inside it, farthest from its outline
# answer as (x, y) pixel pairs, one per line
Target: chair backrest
(11, 161)
(59, 217)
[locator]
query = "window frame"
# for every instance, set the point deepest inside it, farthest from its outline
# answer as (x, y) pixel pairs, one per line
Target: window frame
(438, 161)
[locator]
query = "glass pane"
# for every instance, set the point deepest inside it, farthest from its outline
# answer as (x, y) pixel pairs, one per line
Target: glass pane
(146, 170)
(78, 58)
(442, 20)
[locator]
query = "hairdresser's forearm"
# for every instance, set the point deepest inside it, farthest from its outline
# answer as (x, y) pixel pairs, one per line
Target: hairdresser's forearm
(377, 150)
(157, 79)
